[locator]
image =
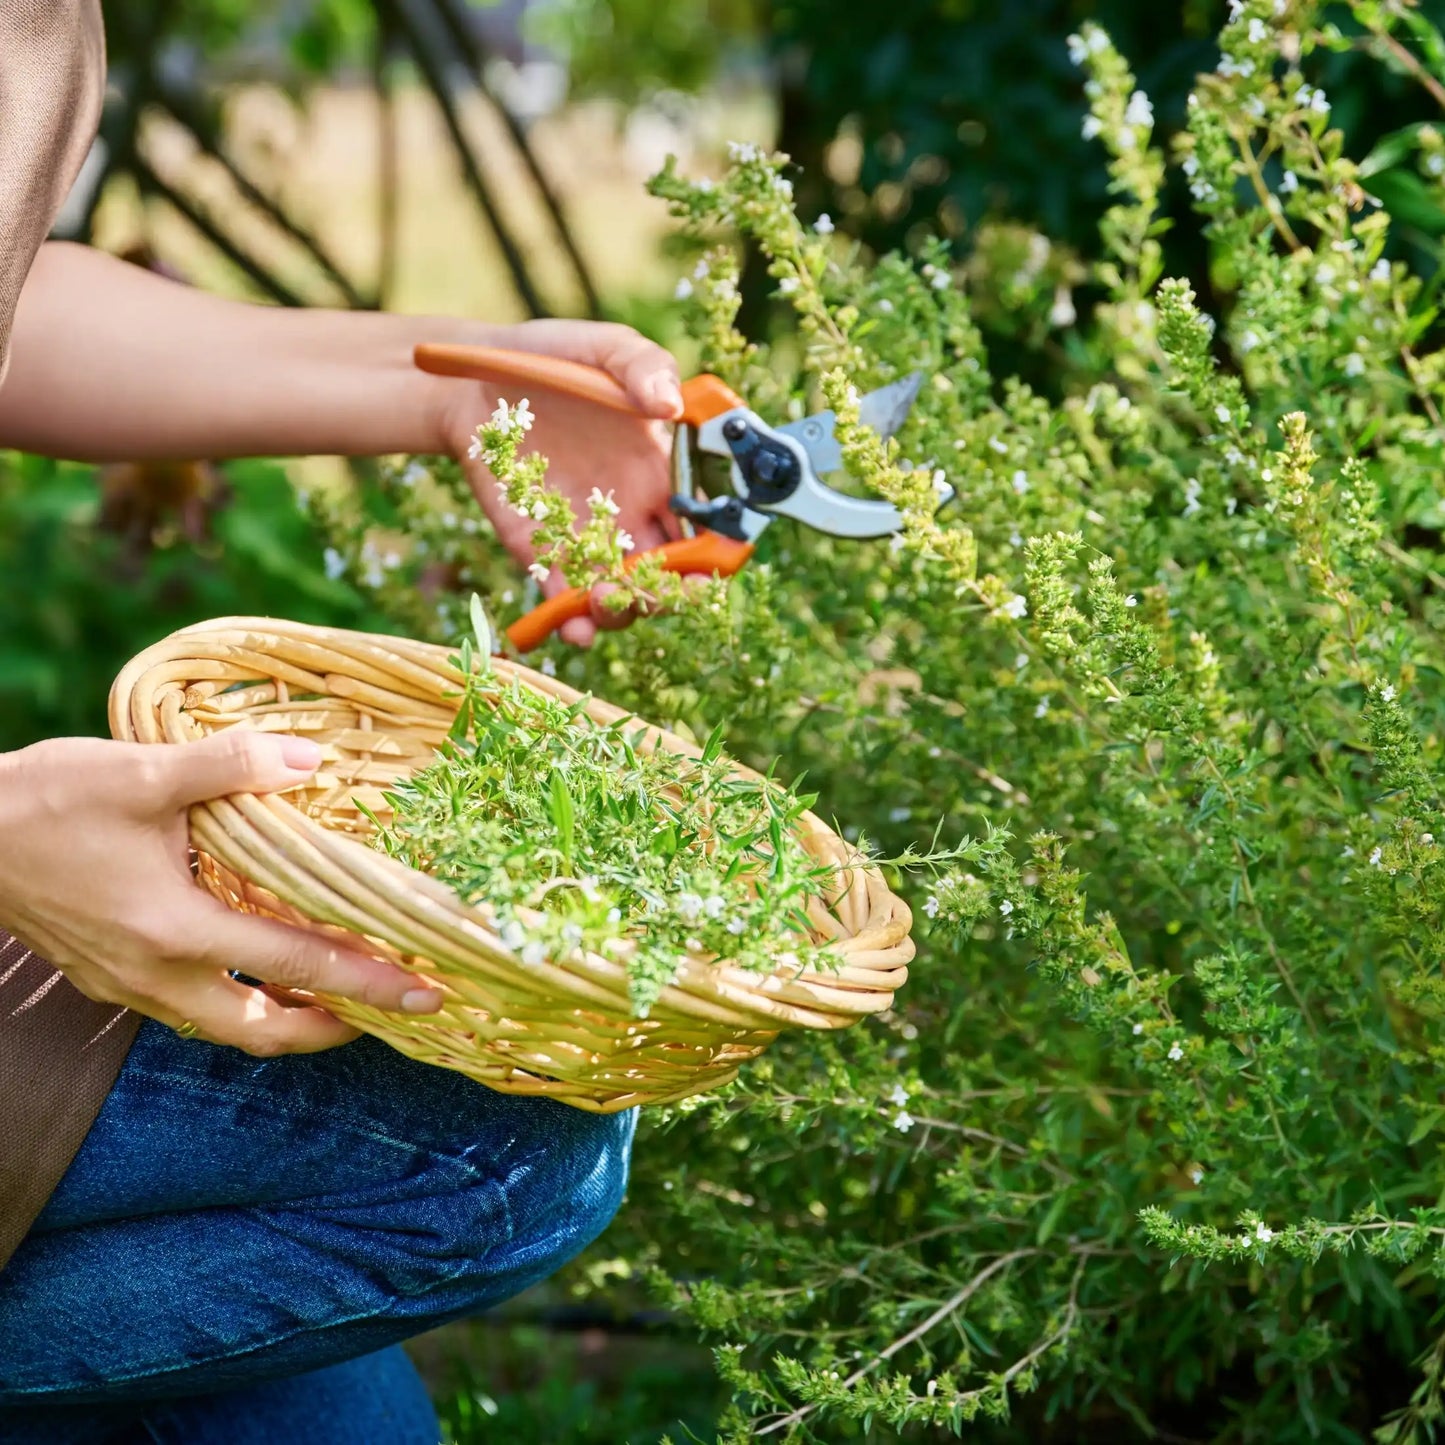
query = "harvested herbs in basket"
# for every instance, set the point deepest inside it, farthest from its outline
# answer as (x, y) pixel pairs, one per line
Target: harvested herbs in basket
(579, 838)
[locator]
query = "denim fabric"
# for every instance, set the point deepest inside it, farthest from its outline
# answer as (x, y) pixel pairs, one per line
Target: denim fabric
(376, 1400)
(231, 1220)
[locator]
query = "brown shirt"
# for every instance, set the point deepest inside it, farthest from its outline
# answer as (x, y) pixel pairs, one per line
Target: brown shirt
(59, 1052)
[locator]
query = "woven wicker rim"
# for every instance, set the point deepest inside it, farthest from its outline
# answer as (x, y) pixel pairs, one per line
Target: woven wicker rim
(380, 706)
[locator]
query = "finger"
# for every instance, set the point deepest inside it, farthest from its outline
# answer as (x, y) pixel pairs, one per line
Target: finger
(239, 760)
(223, 1011)
(609, 619)
(647, 370)
(578, 632)
(295, 958)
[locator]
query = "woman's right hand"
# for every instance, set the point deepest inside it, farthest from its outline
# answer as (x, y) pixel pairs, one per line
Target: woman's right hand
(95, 877)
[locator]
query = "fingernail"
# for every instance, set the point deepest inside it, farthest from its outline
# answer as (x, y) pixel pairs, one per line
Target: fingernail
(301, 754)
(421, 1001)
(665, 392)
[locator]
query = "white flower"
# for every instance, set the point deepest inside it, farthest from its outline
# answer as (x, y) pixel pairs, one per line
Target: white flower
(899, 815)
(549, 668)
(1192, 489)
(1354, 364)
(1001, 447)
(1091, 127)
(1380, 271)
(1139, 111)
(1063, 313)
(1388, 692)
(1427, 837)
(689, 905)
(714, 905)
(533, 953)
(1434, 164)
(682, 290)
(930, 906)
(1175, 1052)
(1258, 32)
(903, 1121)
(1375, 857)
(824, 225)
(571, 935)
(512, 934)
(539, 509)
(1021, 661)
(700, 271)
(1131, 601)
(1043, 707)
(1006, 908)
(1021, 481)
(625, 540)
(1236, 9)
(1078, 49)
(736, 926)
(1016, 606)
(1248, 341)
(740, 150)
(538, 571)
(522, 415)
(1289, 184)
(885, 307)
(787, 285)
(1223, 413)
(1138, 1028)
(940, 281)
(1263, 1233)
(1196, 1175)
(601, 503)
(334, 563)
(898, 1096)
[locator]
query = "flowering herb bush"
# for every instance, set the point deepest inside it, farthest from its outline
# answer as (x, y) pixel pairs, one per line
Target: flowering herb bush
(1151, 1147)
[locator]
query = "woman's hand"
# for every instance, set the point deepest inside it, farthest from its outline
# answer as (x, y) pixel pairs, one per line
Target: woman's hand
(95, 877)
(587, 445)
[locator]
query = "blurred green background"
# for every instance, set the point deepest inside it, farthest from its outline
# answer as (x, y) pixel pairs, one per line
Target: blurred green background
(440, 156)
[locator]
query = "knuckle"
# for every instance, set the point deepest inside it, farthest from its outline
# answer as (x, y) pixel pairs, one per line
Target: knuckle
(296, 965)
(247, 748)
(264, 1044)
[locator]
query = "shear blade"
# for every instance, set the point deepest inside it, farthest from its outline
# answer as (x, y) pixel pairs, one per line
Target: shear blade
(883, 411)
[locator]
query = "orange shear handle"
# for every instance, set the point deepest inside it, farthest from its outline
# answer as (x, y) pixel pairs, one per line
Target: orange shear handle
(708, 553)
(703, 397)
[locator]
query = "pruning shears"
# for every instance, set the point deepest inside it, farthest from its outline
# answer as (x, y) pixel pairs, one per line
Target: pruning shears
(774, 471)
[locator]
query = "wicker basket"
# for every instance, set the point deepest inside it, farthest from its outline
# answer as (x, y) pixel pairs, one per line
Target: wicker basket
(380, 707)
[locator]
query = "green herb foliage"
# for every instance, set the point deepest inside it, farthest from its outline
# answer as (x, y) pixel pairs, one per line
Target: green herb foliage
(580, 837)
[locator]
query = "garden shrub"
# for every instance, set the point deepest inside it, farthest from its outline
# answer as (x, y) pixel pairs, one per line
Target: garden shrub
(1151, 1145)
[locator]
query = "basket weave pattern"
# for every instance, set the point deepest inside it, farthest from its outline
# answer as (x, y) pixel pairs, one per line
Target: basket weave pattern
(380, 707)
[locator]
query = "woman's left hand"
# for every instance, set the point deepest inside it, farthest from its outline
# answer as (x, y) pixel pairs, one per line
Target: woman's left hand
(587, 445)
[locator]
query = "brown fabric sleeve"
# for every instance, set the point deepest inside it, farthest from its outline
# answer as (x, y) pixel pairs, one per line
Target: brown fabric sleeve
(52, 78)
(59, 1055)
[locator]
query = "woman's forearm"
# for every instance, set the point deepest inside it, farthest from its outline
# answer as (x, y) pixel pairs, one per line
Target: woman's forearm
(110, 362)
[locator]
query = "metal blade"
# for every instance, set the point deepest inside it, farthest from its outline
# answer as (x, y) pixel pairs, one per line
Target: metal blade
(884, 410)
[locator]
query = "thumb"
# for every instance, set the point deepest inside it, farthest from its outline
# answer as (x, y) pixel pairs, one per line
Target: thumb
(239, 760)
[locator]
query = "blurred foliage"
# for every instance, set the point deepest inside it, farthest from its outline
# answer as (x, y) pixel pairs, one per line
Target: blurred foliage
(319, 37)
(527, 1385)
(930, 116)
(79, 599)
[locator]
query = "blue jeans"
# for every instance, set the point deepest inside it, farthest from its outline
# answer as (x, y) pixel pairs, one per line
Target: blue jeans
(231, 1221)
